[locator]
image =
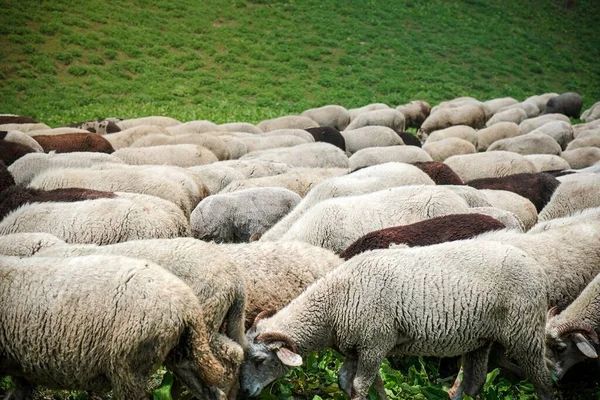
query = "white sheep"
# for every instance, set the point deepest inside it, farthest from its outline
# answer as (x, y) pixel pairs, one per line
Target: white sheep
(576, 192)
(586, 139)
(493, 133)
(56, 131)
(442, 149)
(240, 127)
(181, 155)
(508, 218)
(163, 122)
(354, 112)
(533, 123)
(541, 100)
(22, 138)
(516, 115)
(381, 155)
(470, 115)
(333, 116)
(236, 147)
(287, 122)
(370, 136)
(489, 165)
(25, 128)
(458, 131)
(255, 168)
(560, 131)
(577, 129)
(592, 113)
(259, 142)
(530, 108)
(529, 143)
(522, 207)
(127, 137)
(548, 162)
(581, 157)
(192, 127)
(27, 244)
(387, 117)
(216, 177)
(213, 143)
(315, 155)
(496, 104)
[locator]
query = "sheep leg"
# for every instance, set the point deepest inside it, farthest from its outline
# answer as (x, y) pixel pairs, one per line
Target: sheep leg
(367, 371)
(176, 388)
(235, 321)
(346, 375)
(530, 357)
(187, 374)
(475, 370)
(23, 390)
(133, 388)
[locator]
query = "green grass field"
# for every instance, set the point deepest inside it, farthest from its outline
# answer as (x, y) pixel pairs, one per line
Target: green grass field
(68, 61)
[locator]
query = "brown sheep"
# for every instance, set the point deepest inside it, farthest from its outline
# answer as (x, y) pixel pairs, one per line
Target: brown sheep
(72, 142)
(16, 119)
(440, 173)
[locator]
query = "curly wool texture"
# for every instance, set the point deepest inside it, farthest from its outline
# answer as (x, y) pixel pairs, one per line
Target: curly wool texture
(366, 180)
(102, 221)
(130, 314)
(310, 155)
(234, 217)
(213, 143)
(27, 244)
(488, 165)
(370, 136)
(255, 168)
(74, 142)
(575, 193)
(432, 231)
(381, 155)
(508, 218)
(216, 177)
(560, 131)
(439, 172)
(459, 131)
(277, 273)
(334, 224)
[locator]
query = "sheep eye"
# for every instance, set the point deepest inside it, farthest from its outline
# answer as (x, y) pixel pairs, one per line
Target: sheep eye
(561, 349)
(259, 360)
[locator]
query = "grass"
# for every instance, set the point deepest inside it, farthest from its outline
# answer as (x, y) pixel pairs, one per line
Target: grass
(63, 62)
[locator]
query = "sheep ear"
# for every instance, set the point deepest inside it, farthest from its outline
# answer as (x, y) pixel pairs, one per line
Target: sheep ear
(288, 357)
(584, 346)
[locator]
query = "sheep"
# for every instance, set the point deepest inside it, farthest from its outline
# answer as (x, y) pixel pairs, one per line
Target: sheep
(277, 273)
(388, 117)
(12, 151)
(493, 133)
(370, 136)
(458, 131)
(334, 223)
(560, 131)
(6, 179)
(585, 140)
(530, 108)
(577, 129)
(529, 143)
(20, 137)
(538, 188)
(127, 136)
(414, 113)
(315, 155)
(510, 201)
(592, 113)
(439, 172)
(470, 115)
(515, 115)
(257, 143)
(548, 162)
(508, 218)
(443, 229)
(101, 127)
(16, 119)
(298, 180)
(456, 102)
(235, 217)
(442, 149)
(328, 135)
(576, 192)
(131, 316)
(27, 244)
(101, 221)
(236, 147)
(192, 127)
(533, 123)
(240, 127)
(255, 168)
(381, 155)
(569, 104)
(354, 112)
(366, 180)
(287, 122)
(25, 169)
(74, 142)
(301, 133)
(56, 131)
(587, 215)
(489, 165)
(25, 127)
(216, 177)
(409, 139)
(213, 143)
(181, 155)
(473, 197)
(589, 133)
(331, 116)
(163, 122)
(496, 104)
(581, 157)
(540, 100)
(358, 311)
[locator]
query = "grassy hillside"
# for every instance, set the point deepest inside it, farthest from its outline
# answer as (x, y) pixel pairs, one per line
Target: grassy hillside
(66, 61)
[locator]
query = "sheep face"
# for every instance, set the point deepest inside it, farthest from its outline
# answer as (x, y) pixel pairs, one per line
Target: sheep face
(567, 350)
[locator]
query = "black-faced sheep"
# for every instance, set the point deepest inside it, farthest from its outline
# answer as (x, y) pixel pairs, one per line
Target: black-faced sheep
(328, 135)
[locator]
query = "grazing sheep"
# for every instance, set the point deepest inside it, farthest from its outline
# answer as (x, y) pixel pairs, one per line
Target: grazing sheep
(240, 127)
(458, 131)
(310, 155)
(101, 126)
(27, 244)
(538, 188)
(589, 133)
(548, 162)
(358, 310)
(163, 122)
(366, 180)
(235, 217)
(582, 157)
(12, 151)
(334, 223)
(258, 142)
(16, 119)
(331, 116)
(354, 112)
(585, 140)
(287, 122)
(101, 221)
(530, 108)
(534, 123)
(540, 100)
(130, 314)
(388, 117)
(20, 137)
(180, 155)
(439, 172)
(496, 104)
(301, 133)
(515, 115)
(576, 192)
(493, 133)
(381, 155)
(510, 201)
(236, 147)
(414, 113)
(409, 139)
(530, 143)
(560, 131)
(25, 128)
(488, 165)
(459, 102)
(470, 115)
(74, 142)
(277, 273)
(213, 143)
(192, 127)
(370, 136)
(592, 113)
(442, 149)
(579, 128)
(328, 135)
(432, 231)
(569, 104)
(127, 136)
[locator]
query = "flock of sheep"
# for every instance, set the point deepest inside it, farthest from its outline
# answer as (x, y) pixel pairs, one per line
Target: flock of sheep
(228, 252)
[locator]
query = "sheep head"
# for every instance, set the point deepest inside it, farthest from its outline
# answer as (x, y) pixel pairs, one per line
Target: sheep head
(570, 343)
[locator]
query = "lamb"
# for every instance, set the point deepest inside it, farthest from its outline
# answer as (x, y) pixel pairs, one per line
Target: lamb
(240, 127)
(25, 169)
(11, 151)
(334, 224)
(73, 142)
(127, 136)
(328, 135)
(287, 122)
(458, 131)
(489, 165)
(143, 330)
(592, 113)
(181, 155)
(235, 217)
(331, 116)
(496, 104)
(366, 180)
(439, 172)
(569, 104)
(581, 157)
(315, 155)
(440, 150)
(493, 133)
(381, 155)
(470, 115)
(163, 122)
(101, 221)
(414, 113)
(530, 143)
(388, 117)
(432, 231)
(538, 188)
(27, 244)
(510, 201)
(339, 311)
(548, 162)
(370, 136)
(515, 115)
(354, 112)
(575, 193)
(20, 137)
(534, 123)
